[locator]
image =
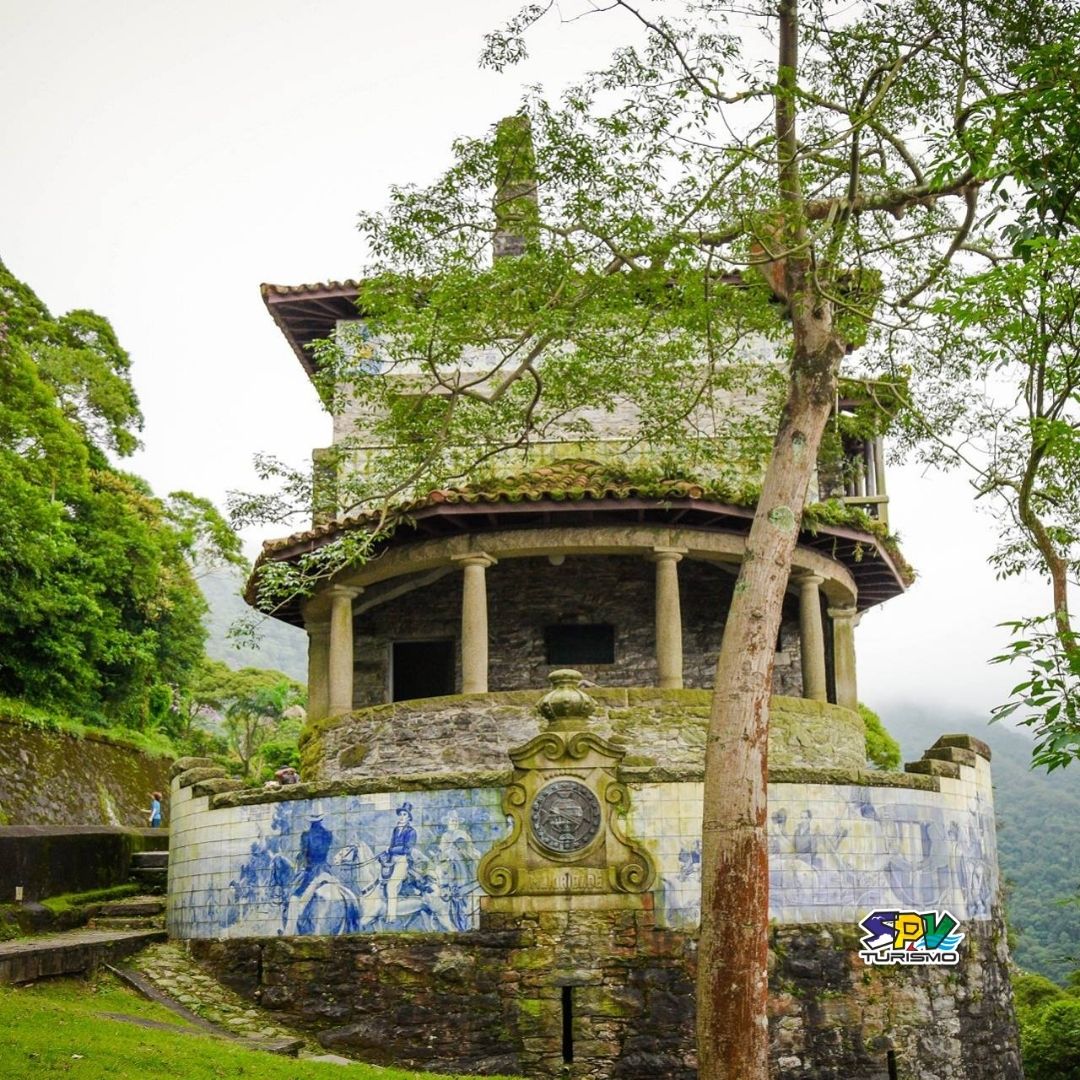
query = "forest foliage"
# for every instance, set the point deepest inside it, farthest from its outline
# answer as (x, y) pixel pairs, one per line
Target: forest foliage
(100, 608)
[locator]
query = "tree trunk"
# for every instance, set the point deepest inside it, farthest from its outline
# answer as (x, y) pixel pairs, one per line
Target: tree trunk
(1056, 564)
(732, 984)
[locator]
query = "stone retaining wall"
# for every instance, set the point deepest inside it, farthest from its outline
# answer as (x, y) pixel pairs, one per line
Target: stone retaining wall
(358, 911)
(493, 1000)
(50, 778)
(49, 861)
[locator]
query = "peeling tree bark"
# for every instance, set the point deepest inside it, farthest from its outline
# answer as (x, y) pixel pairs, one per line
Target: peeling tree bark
(733, 969)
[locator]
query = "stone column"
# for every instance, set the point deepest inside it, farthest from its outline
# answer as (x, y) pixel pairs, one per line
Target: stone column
(812, 637)
(318, 669)
(474, 622)
(669, 664)
(340, 652)
(845, 620)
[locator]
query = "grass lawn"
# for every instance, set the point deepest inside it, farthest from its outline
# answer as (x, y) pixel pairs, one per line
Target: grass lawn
(57, 1028)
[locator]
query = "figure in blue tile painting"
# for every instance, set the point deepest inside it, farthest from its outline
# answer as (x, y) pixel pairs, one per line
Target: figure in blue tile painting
(397, 859)
(779, 841)
(400, 887)
(682, 890)
(305, 871)
(319, 903)
(816, 846)
(454, 862)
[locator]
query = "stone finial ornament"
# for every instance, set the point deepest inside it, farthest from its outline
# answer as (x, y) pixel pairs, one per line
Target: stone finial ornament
(566, 707)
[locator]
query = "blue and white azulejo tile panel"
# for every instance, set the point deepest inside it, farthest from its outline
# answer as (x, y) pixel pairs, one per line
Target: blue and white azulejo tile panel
(333, 866)
(836, 851)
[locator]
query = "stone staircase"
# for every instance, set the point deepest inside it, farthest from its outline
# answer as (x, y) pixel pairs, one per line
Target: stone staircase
(134, 913)
(151, 870)
(70, 953)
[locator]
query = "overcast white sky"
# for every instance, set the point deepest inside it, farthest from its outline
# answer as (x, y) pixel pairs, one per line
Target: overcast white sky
(160, 160)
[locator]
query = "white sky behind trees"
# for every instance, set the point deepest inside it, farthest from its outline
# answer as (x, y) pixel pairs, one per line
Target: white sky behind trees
(160, 160)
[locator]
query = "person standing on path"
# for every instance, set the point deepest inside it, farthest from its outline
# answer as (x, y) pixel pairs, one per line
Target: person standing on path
(155, 810)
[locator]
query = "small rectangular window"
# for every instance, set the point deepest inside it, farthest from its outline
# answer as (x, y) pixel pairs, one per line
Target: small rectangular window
(590, 643)
(422, 669)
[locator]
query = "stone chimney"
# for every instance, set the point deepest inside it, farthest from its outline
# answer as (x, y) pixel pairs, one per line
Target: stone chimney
(515, 202)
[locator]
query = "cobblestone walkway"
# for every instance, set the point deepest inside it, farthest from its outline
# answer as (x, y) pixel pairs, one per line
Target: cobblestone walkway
(168, 967)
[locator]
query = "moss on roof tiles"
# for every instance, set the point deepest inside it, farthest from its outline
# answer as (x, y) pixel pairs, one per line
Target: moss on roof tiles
(577, 479)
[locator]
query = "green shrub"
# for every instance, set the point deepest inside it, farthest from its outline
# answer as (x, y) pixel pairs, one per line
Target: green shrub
(1050, 1042)
(882, 750)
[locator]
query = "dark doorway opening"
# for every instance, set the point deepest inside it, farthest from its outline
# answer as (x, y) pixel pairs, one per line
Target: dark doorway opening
(580, 643)
(890, 1060)
(567, 1024)
(422, 669)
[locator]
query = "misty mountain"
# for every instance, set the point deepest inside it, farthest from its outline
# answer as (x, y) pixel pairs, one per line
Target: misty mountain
(281, 647)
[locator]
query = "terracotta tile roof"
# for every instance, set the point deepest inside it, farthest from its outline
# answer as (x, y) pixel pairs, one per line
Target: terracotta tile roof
(572, 480)
(307, 313)
(565, 492)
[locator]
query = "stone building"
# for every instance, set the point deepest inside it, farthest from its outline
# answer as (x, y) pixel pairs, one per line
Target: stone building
(493, 864)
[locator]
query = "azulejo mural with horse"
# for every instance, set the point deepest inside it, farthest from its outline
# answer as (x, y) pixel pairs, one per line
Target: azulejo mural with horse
(345, 865)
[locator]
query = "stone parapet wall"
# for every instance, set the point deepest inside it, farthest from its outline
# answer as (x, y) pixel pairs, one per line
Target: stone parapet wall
(51, 778)
(659, 728)
(317, 863)
(839, 851)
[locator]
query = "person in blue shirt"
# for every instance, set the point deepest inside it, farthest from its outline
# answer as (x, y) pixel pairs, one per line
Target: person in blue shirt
(155, 810)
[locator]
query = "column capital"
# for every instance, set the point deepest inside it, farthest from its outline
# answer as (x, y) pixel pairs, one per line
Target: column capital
(350, 592)
(851, 613)
(807, 577)
(665, 554)
(318, 628)
(474, 558)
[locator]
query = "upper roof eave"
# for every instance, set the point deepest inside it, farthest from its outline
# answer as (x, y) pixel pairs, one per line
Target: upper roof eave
(307, 313)
(878, 575)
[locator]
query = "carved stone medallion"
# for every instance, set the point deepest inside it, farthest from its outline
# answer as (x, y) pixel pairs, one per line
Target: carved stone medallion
(565, 816)
(566, 808)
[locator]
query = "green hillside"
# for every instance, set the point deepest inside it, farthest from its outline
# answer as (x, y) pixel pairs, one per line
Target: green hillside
(281, 647)
(1038, 835)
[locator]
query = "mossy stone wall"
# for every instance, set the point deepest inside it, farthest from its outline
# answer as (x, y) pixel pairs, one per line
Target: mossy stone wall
(51, 778)
(493, 1000)
(436, 736)
(46, 861)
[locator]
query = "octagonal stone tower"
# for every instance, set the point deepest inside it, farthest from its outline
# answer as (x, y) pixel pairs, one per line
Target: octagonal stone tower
(493, 864)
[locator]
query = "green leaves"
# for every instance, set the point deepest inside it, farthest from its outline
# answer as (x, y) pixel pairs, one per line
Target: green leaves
(1048, 699)
(78, 355)
(99, 608)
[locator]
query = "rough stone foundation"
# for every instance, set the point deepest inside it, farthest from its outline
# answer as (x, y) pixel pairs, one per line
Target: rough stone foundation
(493, 1000)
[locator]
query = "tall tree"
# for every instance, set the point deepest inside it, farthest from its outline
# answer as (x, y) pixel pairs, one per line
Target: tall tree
(99, 604)
(1005, 400)
(693, 226)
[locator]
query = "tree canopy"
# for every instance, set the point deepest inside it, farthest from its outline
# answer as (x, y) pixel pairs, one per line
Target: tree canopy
(99, 604)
